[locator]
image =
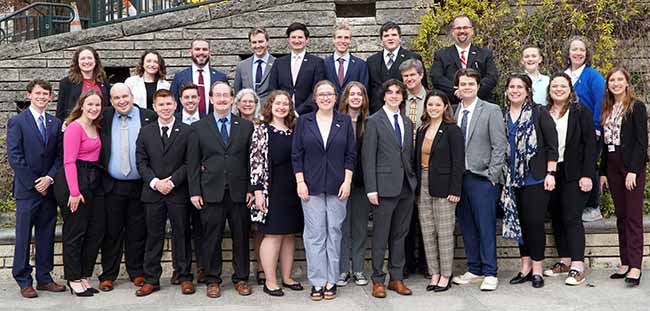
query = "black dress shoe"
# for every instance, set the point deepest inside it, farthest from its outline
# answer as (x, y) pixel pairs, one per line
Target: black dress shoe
(617, 275)
(273, 292)
(538, 281)
(432, 287)
(443, 288)
(294, 286)
(633, 282)
(521, 278)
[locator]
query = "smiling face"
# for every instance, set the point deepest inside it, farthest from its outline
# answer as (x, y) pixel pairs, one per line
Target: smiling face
(435, 108)
(412, 79)
(325, 97)
(342, 40)
(390, 39)
(516, 92)
(221, 98)
(121, 98)
(91, 107)
(259, 44)
(39, 97)
(531, 59)
(280, 107)
(200, 52)
(355, 98)
(190, 100)
(468, 88)
(164, 106)
(298, 41)
(393, 97)
(617, 83)
(560, 89)
(462, 31)
(151, 64)
(577, 53)
(246, 106)
(86, 62)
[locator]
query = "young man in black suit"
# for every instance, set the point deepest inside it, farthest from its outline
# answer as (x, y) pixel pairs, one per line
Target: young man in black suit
(218, 172)
(463, 54)
(384, 65)
(298, 72)
(161, 156)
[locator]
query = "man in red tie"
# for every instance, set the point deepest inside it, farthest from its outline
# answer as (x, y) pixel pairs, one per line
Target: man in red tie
(200, 73)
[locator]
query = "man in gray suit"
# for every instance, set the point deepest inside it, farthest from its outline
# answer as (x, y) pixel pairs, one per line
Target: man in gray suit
(485, 148)
(253, 72)
(390, 184)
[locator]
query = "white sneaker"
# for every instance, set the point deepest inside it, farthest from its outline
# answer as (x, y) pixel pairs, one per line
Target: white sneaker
(467, 278)
(591, 214)
(489, 283)
(344, 277)
(359, 279)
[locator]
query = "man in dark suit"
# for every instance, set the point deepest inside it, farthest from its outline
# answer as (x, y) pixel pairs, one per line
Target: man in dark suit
(200, 73)
(463, 54)
(218, 172)
(342, 67)
(253, 72)
(298, 72)
(388, 158)
(384, 65)
(35, 153)
(161, 154)
(189, 95)
(125, 221)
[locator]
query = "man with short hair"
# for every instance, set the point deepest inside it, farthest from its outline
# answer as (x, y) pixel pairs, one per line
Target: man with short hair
(161, 156)
(384, 65)
(253, 72)
(189, 95)
(463, 54)
(342, 67)
(218, 174)
(298, 72)
(35, 153)
(200, 73)
(125, 219)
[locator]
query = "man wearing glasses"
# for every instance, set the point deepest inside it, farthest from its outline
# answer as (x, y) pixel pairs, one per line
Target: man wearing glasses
(463, 54)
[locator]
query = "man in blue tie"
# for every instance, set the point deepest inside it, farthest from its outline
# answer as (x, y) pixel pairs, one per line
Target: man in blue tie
(35, 153)
(253, 72)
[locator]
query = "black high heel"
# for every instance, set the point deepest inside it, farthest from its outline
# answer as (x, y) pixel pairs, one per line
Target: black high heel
(633, 282)
(85, 293)
(617, 275)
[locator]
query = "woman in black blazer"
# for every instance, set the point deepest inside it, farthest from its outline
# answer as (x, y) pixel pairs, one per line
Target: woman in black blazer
(622, 168)
(530, 176)
(440, 163)
(576, 165)
(86, 73)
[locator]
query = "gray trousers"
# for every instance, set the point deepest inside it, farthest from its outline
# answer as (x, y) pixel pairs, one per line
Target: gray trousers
(355, 231)
(324, 215)
(391, 220)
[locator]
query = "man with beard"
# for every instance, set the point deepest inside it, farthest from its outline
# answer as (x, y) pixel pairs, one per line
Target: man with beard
(463, 54)
(200, 74)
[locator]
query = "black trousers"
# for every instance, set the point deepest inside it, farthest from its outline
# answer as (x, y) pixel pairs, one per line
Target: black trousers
(126, 231)
(531, 204)
(414, 246)
(213, 220)
(156, 215)
(194, 239)
(566, 205)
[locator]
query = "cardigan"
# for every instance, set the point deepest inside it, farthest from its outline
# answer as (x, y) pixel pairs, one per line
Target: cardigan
(590, 89)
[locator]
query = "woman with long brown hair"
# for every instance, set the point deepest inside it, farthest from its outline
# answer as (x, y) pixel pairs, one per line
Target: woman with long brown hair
(150, 74)
(622, 168)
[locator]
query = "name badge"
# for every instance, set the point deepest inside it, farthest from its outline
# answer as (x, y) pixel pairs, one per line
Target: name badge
(611, 148)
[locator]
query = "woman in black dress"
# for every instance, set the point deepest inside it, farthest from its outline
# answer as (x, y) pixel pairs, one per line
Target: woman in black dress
(277, 205)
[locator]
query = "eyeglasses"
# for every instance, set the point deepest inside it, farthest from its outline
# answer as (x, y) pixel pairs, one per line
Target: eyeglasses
(324, 95)
(459, 28)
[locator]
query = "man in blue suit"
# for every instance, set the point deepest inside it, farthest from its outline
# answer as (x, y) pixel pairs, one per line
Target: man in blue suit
(200, 73)
(342, 67)
(35, 152)
(298, 72)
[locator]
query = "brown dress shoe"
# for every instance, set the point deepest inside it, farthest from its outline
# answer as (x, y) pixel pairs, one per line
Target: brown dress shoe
(138, 281)
(28, 292)
(174, 279)
(187, 288)
(242, 288)
(200, 276)
(399, 287)
(214, 291)
(378, 290)
(51, 287)
(106, 286)
(147, 289)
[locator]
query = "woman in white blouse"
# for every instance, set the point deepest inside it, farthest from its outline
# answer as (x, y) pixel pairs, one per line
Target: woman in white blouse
(150, 77)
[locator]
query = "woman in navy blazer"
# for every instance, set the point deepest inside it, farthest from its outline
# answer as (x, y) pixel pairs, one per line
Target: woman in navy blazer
(323, 155)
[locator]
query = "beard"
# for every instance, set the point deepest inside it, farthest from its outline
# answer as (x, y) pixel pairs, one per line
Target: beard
(199, 63)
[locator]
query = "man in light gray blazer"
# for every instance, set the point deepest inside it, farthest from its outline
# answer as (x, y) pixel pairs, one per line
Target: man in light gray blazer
(390, 182)
(485, 149)
(254, 71)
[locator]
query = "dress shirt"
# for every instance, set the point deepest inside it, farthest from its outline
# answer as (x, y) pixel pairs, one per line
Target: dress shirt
(561, 126)
(206, 82)
(471, 109)
(346, 62)
(265, 60)
(190, 118)
(169, 126)
(459, 49)
(114, 166)
(540, 88)
(419, 110)
(37, 115)
(575, 75)
(395, 53)
(228, 121)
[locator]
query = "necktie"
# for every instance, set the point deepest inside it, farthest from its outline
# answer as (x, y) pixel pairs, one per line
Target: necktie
(224, 130)
(258, 73)
(165, 137)
(463, 124)
(201, 92)
(413, 111)
(463, 60)
(125, 166)
(390, 61)
(295, 68)
(398, 130)
(341, 74)
(41, 128)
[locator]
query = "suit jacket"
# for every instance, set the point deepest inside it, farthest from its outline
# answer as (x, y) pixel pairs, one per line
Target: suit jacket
(446, 62)
(357, 71)
(139, 90)
(28, 155)
(244, 78)
(378, 74)
(311, 71)
(385, 165)
(323, 166)
(446, 161)
(580, 145)
(486, 143)
(185, 76)
(146, 117)
(157, 161)
(634, 141)
(212, 165)
(69, 93)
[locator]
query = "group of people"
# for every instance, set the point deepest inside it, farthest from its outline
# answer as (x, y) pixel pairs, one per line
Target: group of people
(312, 146)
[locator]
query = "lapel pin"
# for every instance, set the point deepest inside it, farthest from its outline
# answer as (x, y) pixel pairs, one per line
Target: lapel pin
(338, 125)
(176, 130)
(439, 131)
(402, 55)
(474, 52)
(236, 122)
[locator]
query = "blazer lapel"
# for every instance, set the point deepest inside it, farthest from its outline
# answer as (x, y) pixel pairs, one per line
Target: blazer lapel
(215, 131)
(249, 67)
(441, 132)
(32, 123)
(389, 127)
(49, 128)
(475, 115)
(267, 69)
(174, 132)
(234, 130)
(453, 54)
(303, 68)
(571, 124)
(334, 129)
(471, 57)
(313, 127)
(351, 65)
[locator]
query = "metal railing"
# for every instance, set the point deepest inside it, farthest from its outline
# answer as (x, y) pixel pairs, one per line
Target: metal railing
(104, 12)
(36, 20)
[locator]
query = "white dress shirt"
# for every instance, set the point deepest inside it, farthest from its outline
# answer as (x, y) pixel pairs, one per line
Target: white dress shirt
(575, 75)
(206, 82)
(459, 49)
(190, 118)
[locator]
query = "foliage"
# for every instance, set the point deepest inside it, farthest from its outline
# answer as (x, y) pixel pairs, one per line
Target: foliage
(7, 203)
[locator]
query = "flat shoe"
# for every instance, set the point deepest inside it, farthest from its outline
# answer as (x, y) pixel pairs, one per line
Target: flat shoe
(521, 278)
(294, 286)
(538, 281)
